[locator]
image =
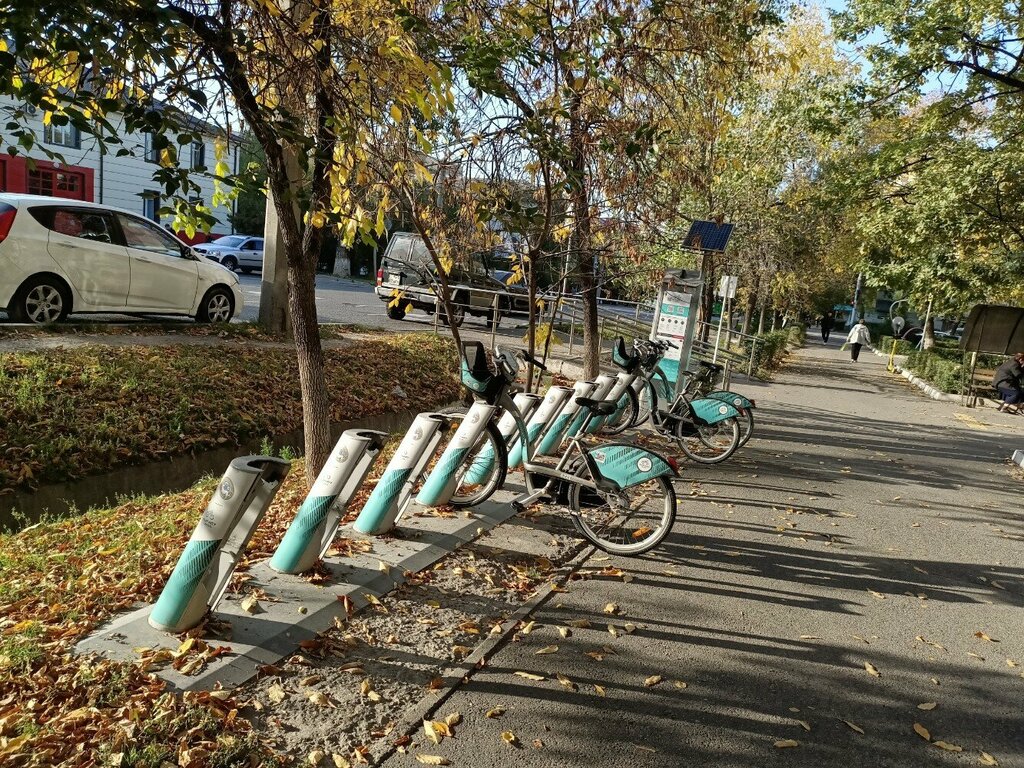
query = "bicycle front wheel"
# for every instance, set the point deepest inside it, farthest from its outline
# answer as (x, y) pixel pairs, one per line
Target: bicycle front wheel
(746, 425)
(484, 468)
(708, 443)
(630, 521)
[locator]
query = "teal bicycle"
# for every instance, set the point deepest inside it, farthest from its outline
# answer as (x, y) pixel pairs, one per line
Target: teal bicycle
(619, 496)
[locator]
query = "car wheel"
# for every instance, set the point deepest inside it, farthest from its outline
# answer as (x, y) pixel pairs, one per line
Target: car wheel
(218, 306)
(42, 300)
(493, 317)
(230, 262)
(458, 313)
(396, 313)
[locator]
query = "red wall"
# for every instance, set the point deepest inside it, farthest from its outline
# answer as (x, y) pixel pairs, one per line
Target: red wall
(14, 176)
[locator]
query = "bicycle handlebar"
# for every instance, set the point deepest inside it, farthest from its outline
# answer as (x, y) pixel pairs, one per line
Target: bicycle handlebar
(531, 359)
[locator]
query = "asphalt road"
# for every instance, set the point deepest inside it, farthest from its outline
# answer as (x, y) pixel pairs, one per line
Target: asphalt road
(863, 525)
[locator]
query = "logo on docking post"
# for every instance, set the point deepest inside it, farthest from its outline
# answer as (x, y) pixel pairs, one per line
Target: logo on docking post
(227, 488)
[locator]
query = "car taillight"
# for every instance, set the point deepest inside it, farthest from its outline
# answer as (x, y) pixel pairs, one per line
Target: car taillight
(7, 213)
(380, 276)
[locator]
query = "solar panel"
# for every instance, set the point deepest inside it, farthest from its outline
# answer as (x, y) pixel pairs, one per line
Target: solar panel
(708, 236)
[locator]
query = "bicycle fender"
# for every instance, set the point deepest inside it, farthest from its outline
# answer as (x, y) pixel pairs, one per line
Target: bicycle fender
(735, 400)
(712, 411)
(626, 465)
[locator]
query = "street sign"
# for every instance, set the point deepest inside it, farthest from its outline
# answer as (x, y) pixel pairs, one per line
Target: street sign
(727, 286)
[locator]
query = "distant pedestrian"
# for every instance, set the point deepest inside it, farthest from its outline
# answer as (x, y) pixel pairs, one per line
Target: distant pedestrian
(1009, 381)
(859, 336)
(828, 320)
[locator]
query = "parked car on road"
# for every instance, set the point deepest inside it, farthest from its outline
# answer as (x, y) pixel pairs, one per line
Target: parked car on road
(243, 252)
(407, 272)
(60, 256)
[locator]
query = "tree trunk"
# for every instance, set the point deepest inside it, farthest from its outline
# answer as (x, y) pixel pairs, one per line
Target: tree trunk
(581, 238)
(748, 312)
(760, 320)
(928, 342)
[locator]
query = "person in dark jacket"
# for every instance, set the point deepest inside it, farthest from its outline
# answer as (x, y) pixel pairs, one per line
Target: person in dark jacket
(1009, 381)
(827, 321)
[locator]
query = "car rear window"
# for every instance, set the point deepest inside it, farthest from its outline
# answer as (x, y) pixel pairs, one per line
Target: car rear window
(83, 223)
(409, 249)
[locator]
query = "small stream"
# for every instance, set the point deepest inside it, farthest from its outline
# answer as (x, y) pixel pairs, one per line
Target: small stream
(23, 508)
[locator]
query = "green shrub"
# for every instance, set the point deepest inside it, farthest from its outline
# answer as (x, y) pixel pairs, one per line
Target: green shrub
(773, 346)
(903, 347)
(937, 369)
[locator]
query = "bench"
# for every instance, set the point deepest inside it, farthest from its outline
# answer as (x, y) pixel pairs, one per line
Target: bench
(980, 385)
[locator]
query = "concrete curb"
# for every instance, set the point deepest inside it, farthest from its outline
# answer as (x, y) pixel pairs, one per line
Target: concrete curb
(276, 630)
(927, 388)
(1018, 458)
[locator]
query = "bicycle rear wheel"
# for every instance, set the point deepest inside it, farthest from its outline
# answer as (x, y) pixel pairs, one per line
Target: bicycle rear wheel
(625, 418)
(630, 521)
(708, 443)
(484, 467)
(746, 425)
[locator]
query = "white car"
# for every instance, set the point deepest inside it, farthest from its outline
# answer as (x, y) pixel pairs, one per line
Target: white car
(60, 256)
(234, 252)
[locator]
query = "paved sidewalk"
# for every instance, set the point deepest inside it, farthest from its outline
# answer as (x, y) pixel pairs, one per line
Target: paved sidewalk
(863, 525)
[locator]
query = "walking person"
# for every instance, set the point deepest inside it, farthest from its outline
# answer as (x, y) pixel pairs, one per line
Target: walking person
(859, 336)
(1009, 382)
(827, 321)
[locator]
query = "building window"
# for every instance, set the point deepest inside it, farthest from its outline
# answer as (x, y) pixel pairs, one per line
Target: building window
(198, 155)
(54, 183)
(62, 136)
(151, 205)
(152, 154)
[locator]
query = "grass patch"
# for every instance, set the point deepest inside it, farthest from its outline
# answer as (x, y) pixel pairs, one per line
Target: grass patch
(73, 412)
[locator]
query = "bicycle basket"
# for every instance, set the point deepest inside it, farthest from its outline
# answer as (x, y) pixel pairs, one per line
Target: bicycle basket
(622, 358)
(476, 373)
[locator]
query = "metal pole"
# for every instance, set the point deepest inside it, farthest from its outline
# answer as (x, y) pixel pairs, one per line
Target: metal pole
(718, 336)
(750, 363)
(437, 311)
(494, 319)
(572, 328)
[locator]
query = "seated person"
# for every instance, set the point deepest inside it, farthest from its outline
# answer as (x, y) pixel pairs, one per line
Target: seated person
(1009, 382)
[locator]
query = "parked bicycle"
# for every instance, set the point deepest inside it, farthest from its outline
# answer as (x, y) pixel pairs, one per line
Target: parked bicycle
(619, 496)
(707, 429)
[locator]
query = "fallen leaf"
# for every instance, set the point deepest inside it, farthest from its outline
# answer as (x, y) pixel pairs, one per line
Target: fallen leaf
(986, 638)
(652, 680)
(441, 728)
(809, 637)
(975, 656)
(855, 727)
(316, 757)
(250, 604)
(509, 738)
(527, 628)
(679, 684)
(494, 712)
(784, 743)
(276, 693)
(928, 706)
(564, 631)
(565, 681)
(453, 719)
(1011, 663)
(630, 628)
(546, 650)
(613, 630)
(309, 680)
(538, 744)
(870, 669)
(804, 724)
(432, 760)
(530, 675)
(340, 762)
(987, 759)
(611, 608)
(428, 729)
(320, 699)
(579, 623)
(876, 595)
(921, 731)
(599, 689)
(947, 746)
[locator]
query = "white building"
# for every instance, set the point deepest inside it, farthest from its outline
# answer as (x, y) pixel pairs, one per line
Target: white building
(126, 182)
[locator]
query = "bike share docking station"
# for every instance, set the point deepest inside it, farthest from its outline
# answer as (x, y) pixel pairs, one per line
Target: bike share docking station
(204, 569)
(311, 532)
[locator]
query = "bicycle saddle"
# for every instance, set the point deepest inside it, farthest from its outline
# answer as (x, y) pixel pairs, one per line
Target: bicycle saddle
(600, 407)
(711, 366)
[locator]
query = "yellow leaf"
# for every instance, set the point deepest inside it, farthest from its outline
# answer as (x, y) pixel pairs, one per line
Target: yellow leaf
(441, 728)
(876, 595)
(276, 693)
(804, 724)
(599, 690)
(428, 729)
(432, 760)
(987, 759)
(250, 604)
(854, 726)
(453, 719)
(340, 762)
(784, 743)
(986, 638)
(396, 113)
(652, 680)
(613, 630)
(565, 681)
(316, 757)
(611, 608)
(928, 706)
(494, 712)
(921, 731)
(530, 676)
(564, 631)
(630, 628)
(870, 669)
(679, 684)
(528, 627)
(320, 699)
(947, 746)
(546, 650)
(509, 738)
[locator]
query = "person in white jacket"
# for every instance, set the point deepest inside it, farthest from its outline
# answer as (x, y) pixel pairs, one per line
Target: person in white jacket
(859, 336)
